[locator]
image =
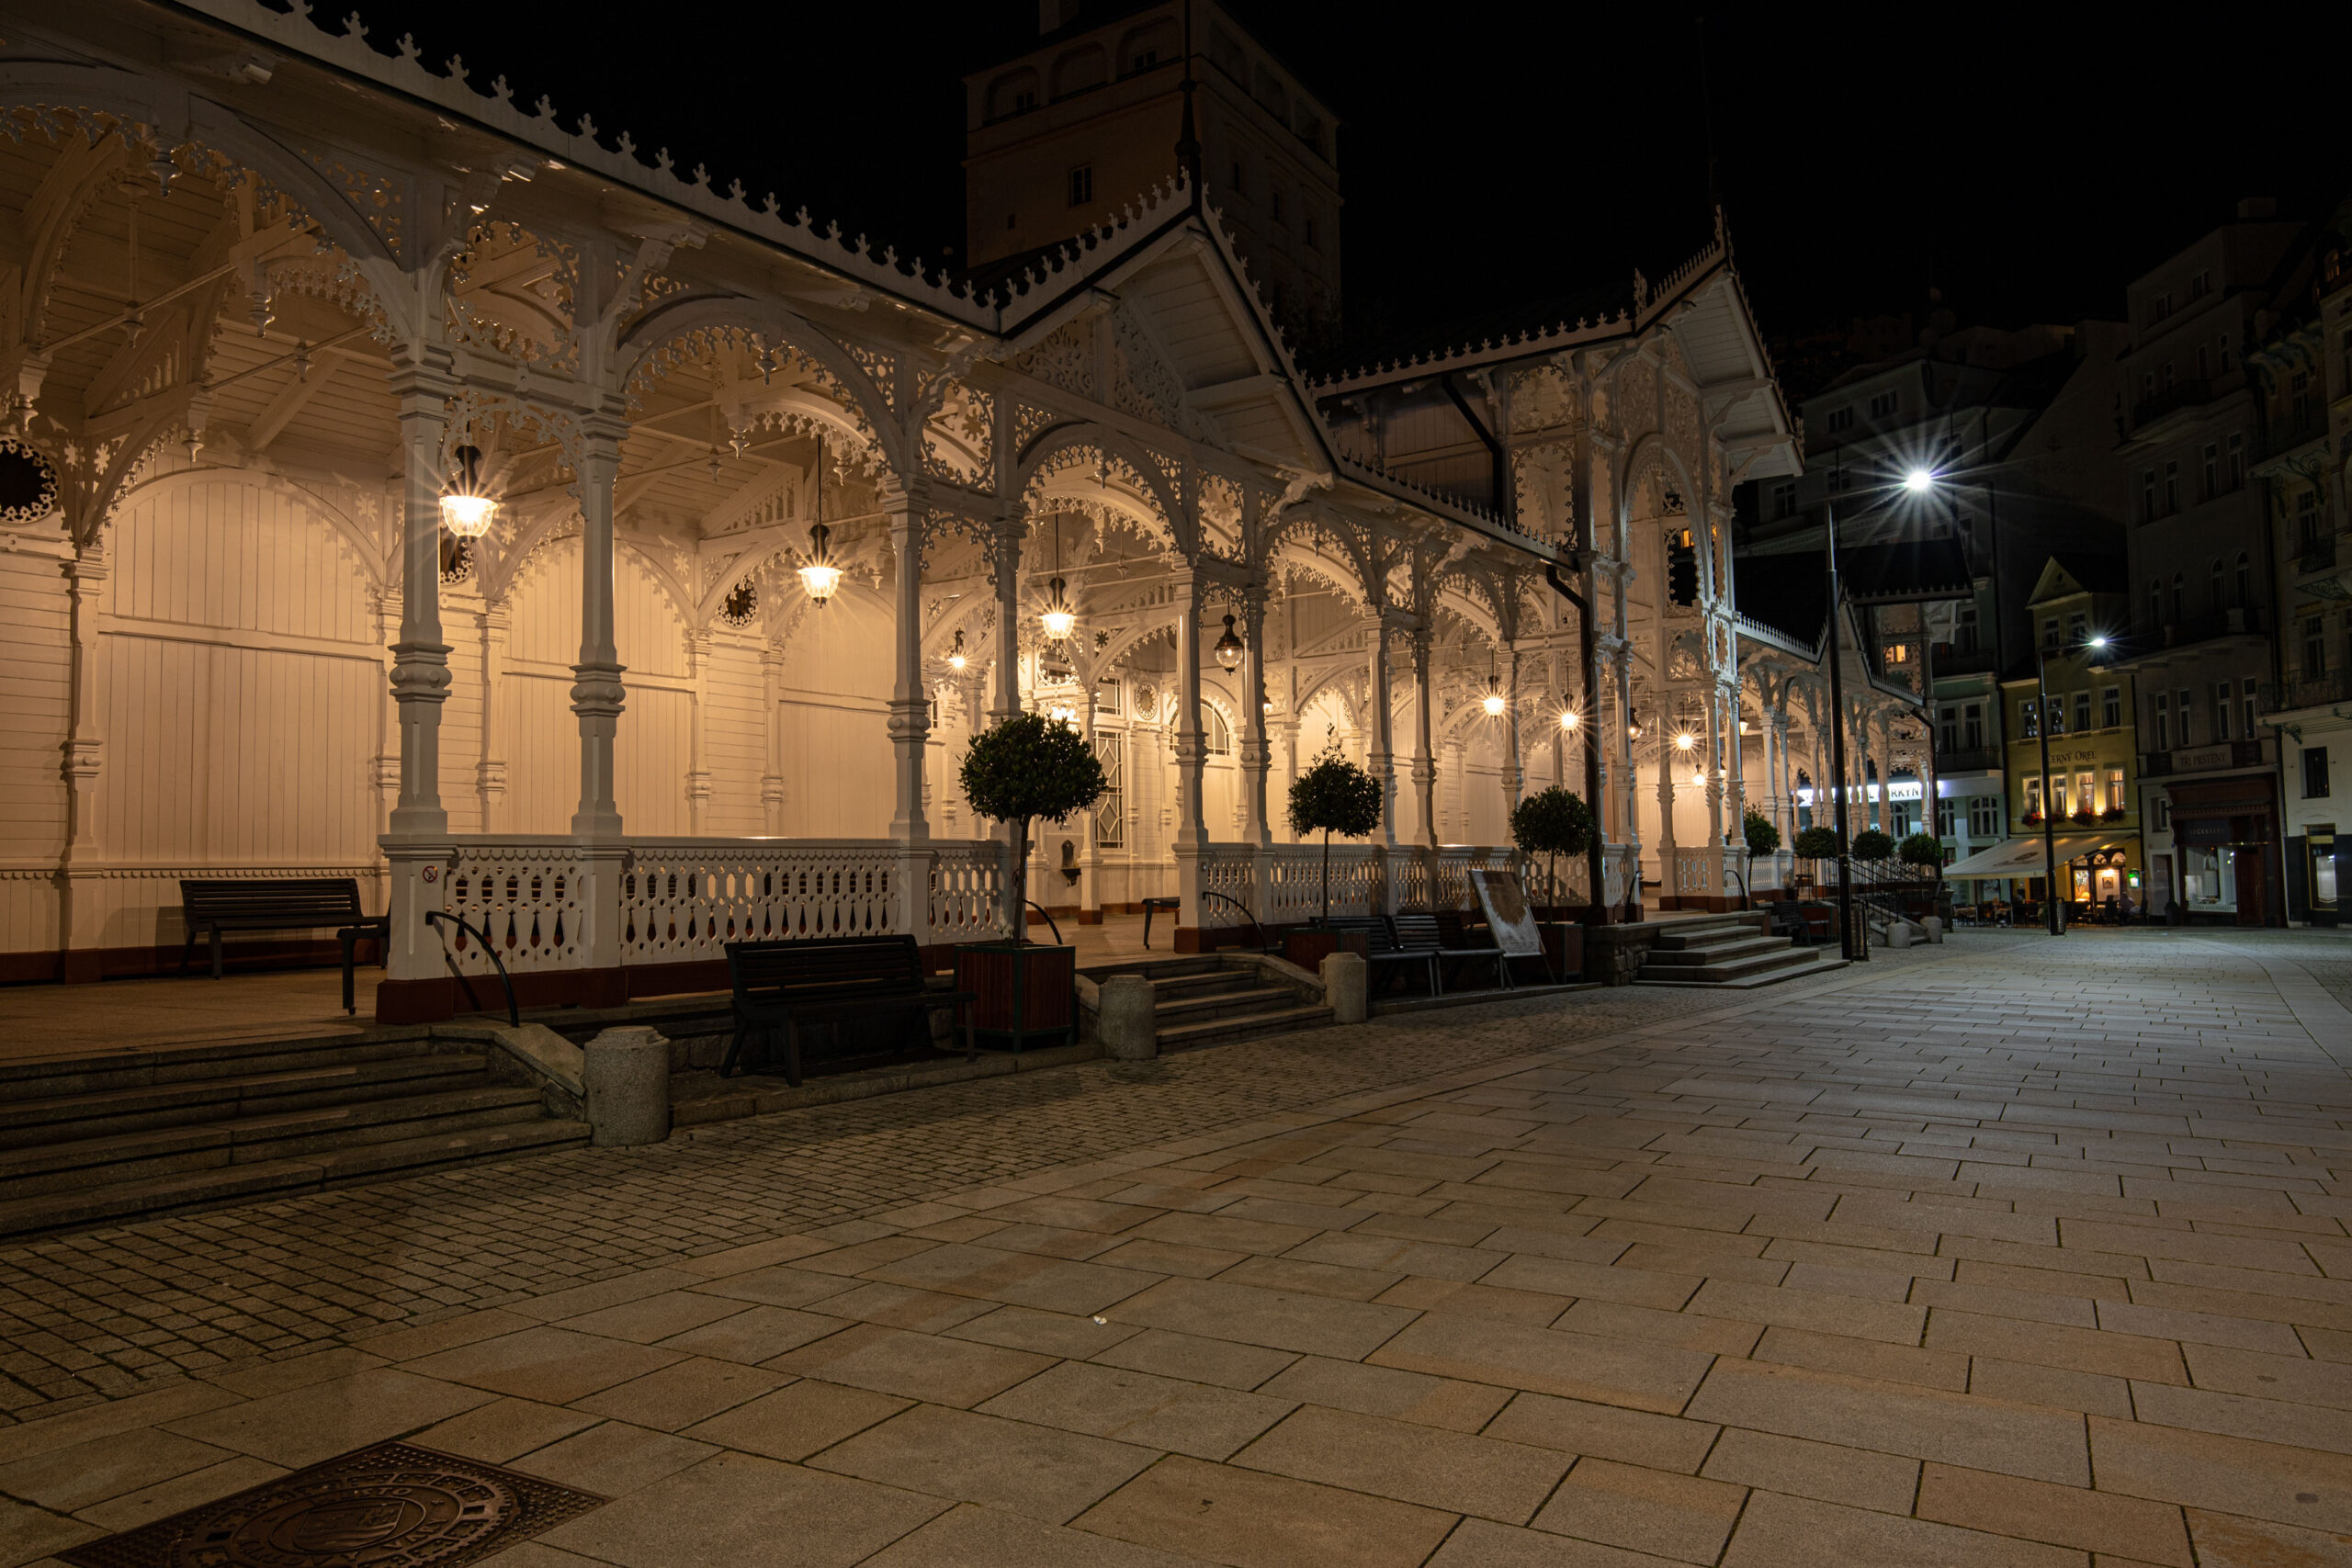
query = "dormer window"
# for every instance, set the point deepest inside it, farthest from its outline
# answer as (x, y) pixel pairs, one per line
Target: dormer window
(1024, 100)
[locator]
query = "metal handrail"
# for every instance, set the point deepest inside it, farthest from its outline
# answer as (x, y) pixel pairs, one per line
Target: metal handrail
(1033, 904)
(434, 917)
(1257, 929)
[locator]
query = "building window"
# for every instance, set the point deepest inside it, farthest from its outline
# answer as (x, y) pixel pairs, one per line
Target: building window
(2159, 307)
(1882, 405)
(2299, 399)
(2213, 466)
(2321, 846)
(2086, 792)
(2033, 797)
(2234, 469)
(2028, 718)
(2078, 629)
(1110, 812)
(2110, 708)
(2307, 526)
(2155, 601)
(1024, 100)
(2147, 494)
(1948, 728)
(1240, 188)
(2115, 791)
(1963, 631)
(2164, 722)
(1311, 242)
(1898, 653)
(1082, 185)
(1219, 738)
(1944, 809)
(2200, 285)
(1984, 816)
(2247, 693)
(2220, 602)
(1972, 731)
(1274, 206)
(2222, 712)
(1841, 419)
(2244, 600)
(2082, 713)
(2179, 605)
(2172, 487)
(2314, 648)
(2314, 773)
(1145, 61)
(1784, 501)
(2181, 709)
(2058, 716)
(2162, 804)
(2049, 632)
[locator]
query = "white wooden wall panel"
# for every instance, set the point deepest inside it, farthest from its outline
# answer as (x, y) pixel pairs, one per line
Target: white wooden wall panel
(239, 553)
(837, 678)
(36, 672)
(546, 606)
(649, 761)
(542, 740)
(737, 740)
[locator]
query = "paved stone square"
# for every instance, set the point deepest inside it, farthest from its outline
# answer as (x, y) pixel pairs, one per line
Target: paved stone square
(2007, 1252)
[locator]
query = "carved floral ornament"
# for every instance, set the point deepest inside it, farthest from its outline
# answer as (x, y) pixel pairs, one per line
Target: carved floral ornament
(28, 483)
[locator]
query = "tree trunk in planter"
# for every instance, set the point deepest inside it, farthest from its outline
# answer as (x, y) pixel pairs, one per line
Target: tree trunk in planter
(1026, 992)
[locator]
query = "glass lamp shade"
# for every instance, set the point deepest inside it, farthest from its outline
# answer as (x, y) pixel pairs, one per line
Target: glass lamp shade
(466, 510)
(1058, 619)
(1567, 721)
(955, 659)
(1229, 648)
(1684, 742)
(820, 576)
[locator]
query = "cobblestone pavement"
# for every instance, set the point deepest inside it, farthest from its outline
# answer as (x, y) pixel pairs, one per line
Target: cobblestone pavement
(2010, 1252)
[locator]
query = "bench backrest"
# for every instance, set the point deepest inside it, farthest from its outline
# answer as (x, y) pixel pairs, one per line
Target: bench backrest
(827, 969)
(293, 901)
(1416, 933)
(1376, 929)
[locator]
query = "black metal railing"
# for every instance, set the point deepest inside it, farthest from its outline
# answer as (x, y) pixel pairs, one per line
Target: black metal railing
(2307, 691)
(2318, 554)
(1967, 759)
(434, 917)
(2179, 395)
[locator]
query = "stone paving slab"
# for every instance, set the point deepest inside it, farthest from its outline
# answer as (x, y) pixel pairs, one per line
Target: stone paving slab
(2008, 1252)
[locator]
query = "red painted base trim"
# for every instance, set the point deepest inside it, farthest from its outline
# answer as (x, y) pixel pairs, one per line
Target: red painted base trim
(82, 965)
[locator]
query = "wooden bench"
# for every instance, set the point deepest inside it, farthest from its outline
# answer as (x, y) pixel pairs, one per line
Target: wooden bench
(1386, 955)
(1422, 933)
(1157, 906)
(266, 903)
(791, 985)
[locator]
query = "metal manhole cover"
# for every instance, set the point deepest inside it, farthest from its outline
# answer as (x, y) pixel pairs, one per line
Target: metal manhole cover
(389, 1506)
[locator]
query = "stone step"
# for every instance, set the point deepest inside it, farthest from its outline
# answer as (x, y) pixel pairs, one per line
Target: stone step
(1161, 970)
(1170, 1012)
(1719, 952)
(1700, 933)
(1243, 1026)
(281, 1134)
(1788, 957)
(98, 1072)
(87, 1205)
(25, 1120)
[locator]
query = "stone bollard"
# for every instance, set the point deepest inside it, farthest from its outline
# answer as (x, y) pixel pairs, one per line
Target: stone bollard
(1934, 925)
(1128, 1018)
(1347, 986)
(627, 1079)
(1898, 933)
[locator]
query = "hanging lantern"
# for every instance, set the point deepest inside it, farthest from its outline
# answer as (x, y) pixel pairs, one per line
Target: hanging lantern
(1229, 648)
(956, 658)
(1057, 618)
(1494, 702)
(1568, 719)
(1684, 741)
(466, 510)
(820, 575)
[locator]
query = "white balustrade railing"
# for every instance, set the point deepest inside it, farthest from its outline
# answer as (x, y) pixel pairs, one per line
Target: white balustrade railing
(1229, 871)
(1295, 882)
(1709, 871)
(525, 894)
(682, 900)
(1450, 877)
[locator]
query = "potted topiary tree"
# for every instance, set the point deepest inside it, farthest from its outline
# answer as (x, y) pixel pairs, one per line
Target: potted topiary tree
(1817, 844)
(1874, 846)
(1027, 768)
(1763, 838)
(1552, 822)
(1334, 797)
(1923, 850)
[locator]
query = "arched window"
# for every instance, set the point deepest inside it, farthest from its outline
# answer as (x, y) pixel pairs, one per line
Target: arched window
(1219, 733)
(2245, 581)
(2155, 601)
(2220, 602)
(2179, 601)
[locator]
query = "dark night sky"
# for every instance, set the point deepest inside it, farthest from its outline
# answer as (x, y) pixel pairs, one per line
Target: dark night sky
(2028, 161)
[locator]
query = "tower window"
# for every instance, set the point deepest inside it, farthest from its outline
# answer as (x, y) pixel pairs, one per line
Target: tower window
(1082, 185)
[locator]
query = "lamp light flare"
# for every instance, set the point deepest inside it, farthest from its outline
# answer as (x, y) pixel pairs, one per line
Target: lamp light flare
(466, 510)
(1568, 719)
(1919, 481)
(820, 575)
(1494, 704)
(1684, 741)
(955, 657)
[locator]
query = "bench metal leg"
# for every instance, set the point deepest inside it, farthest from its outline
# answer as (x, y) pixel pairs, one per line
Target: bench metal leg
(216, 952)
(792, 1053)
(1146, 928)
(349, 942)
(734, 1050)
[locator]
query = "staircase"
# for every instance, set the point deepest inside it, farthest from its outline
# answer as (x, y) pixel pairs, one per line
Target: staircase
(91, 1139)
(1735, 952)
(1216, 1001)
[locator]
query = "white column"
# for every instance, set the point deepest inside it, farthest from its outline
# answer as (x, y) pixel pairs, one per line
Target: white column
(420, 659)
(1380, 743)
(1192, 747)
(81, 912)
(698, 780)
(1514, 776)
(771, 740)
(1257, 755)
(1713, 743)
(909, 723)
(493, 624)
(1004, 562)
(1424, 762)
(597, 696)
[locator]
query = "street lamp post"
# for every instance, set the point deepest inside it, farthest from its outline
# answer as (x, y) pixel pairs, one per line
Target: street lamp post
(2048, 804)
(1858, 952)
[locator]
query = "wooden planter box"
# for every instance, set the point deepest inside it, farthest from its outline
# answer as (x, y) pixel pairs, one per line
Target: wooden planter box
(1027, 993)
(1563, 946)
(1308, 948)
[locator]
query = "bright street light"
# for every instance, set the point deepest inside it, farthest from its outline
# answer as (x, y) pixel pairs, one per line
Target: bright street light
(1919, 481)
